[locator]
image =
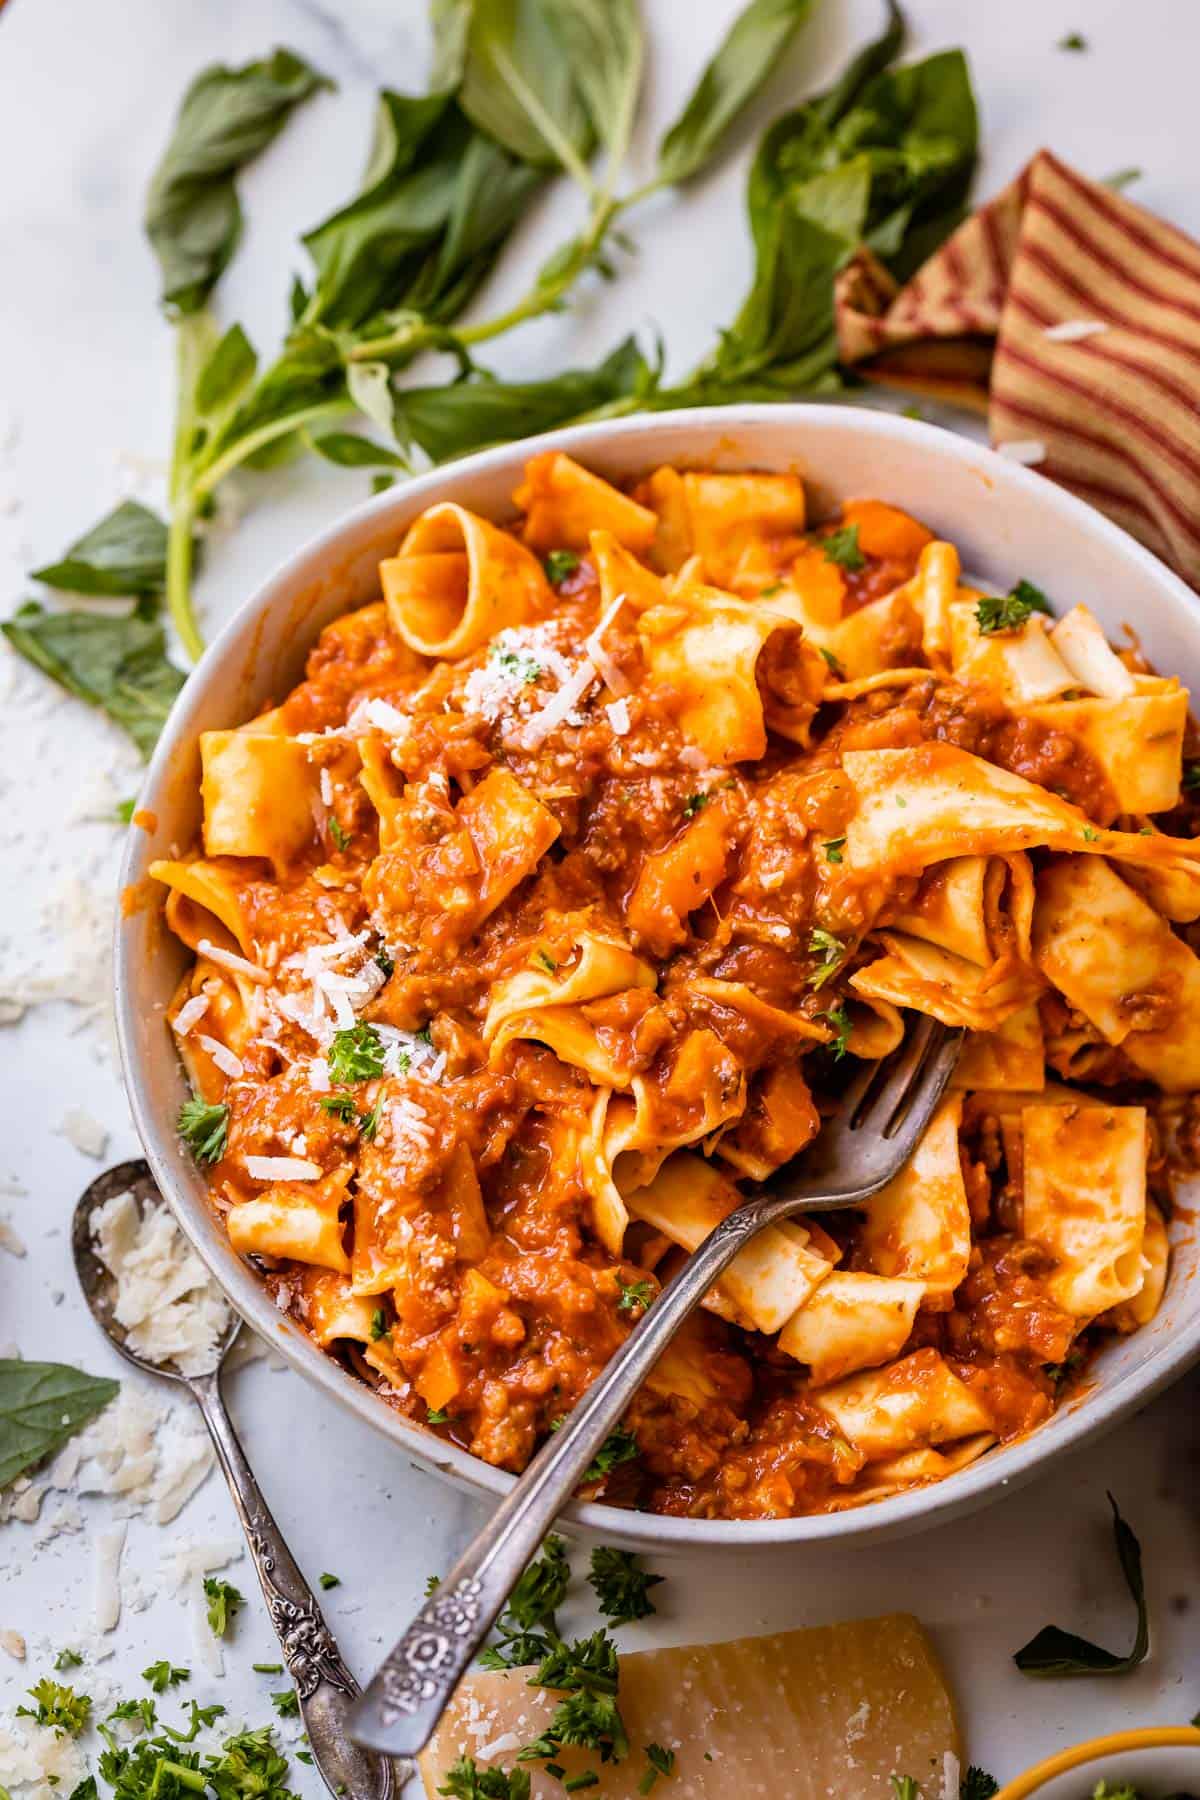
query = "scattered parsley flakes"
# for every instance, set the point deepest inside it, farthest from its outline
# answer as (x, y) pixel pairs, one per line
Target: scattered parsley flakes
(1191, 775)
(370, 1122)
(267, 1668)
(768, 593)
(467, 1781)
(1010, 612)
(204, 1128)
(527, 1628)
(621, 1586)
(834, 665)
(693, 803)
(912, 411)
(830, 949)
(286, 1702)
(585, 1673)
(662, 1762)
(977, 1784)
(224, 1604)
(341, 1106)
(379, 1325)
(618, 1447)
(61, 1708)
(68, 1659)
(355, 1054)
(162, 1675)
(559, 564)
(432, 1584)
(544, 960)
(585, 1779)
(342, 839)
(329, 1581)
(1090, 834)
(124, 811)
(518, 664)
(839, 1018)
(905, 1788)
(636, 1296)
(385, 961)
(1074, 40)
(438, 1415)
(841, 547)
(833, 848)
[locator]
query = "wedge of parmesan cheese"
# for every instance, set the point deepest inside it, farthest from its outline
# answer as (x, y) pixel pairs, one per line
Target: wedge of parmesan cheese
(826, 1714)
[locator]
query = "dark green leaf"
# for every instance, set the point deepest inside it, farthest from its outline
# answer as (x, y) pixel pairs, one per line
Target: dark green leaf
(467, 415)
(750, 52)
(352, 452)
(306, 377)
(621, 1585)
(227, 373)
(1054, 1652)
(119, 665)
(618, 1447)
(204, 1128)
(224, 1604)
(125, 553)
(603, 43)
(448, 21)
(41, 1406)
(193, 218)
(977, 1784)
(519, 85)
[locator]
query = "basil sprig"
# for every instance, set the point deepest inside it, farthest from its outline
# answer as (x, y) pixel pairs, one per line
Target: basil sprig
(41, 1406)
(1055, 1652)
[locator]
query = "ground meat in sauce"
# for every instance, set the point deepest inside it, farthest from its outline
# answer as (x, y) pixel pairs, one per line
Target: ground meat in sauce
(502, 1303)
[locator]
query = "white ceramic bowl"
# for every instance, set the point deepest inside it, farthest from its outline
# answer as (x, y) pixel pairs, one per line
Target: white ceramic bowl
(1007, 521)
(1159, 1761)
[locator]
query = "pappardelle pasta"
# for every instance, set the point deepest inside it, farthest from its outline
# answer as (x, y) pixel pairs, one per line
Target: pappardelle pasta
(562, 896)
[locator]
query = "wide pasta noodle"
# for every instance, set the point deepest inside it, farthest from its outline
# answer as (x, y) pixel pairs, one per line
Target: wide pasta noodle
(551, 913)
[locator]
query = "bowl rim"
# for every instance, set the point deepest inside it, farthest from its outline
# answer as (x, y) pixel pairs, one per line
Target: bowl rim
(913, 1509)
(1115, 1743)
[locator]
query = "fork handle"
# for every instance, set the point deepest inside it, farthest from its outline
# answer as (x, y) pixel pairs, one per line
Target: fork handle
(400, 1709)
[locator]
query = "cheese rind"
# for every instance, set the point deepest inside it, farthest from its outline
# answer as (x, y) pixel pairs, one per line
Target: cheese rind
(837, 1710)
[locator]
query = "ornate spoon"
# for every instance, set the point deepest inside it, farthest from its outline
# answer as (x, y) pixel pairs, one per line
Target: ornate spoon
(325, 1687)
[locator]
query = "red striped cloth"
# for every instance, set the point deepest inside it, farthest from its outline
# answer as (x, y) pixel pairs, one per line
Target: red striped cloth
(1116, 411)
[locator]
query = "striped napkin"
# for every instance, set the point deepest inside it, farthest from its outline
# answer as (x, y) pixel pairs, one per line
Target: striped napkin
(1071, 317)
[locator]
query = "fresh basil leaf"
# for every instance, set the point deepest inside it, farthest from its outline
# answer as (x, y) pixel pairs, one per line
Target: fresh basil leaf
(1054, 1652)
(305, 379)
(448, 20)
(227, 374)
(41, 1406)
(467, 415)
(193, 216)
(520, 86)
(369, 386)
(490, 194)
(119, 665)
(604, 44)
(125, 553)
(750, 52)
(351, 452)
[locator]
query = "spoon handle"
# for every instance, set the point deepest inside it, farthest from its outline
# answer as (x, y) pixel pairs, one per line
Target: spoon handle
(324, 1685)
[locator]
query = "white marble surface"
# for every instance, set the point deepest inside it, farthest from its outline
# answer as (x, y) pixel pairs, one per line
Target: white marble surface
(86, 95)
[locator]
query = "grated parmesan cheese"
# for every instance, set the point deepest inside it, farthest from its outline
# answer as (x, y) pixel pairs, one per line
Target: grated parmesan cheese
(10, 1239)
(106, 1591)
(282, 1168)
(615, 678)
(618, 716)
(169, 1307)
(87, 1134)
(222, 1055)
(1074, 331)
(227, 959)
(1029, 451)
(560, 706)
(13, 1644)
(189, 1014)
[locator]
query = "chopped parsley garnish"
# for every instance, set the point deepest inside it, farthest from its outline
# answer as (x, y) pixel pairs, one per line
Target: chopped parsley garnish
(544, 960)
(560, 564)
(834, 665)
(622, 1588)
(527, 1628)
(341, 1106)
(286, 1702)
(1058, 1373)
(1090, 834)
(517, 663)
(905, 1788)
(341, 838)
(1009, 612)
(833, 848)
(328, 1581)
(1055, 1652)
(662, 1762)
(370, 1122)
(432, 1584)
(911, 412)
(839, 1018)
(125, 810)
(162, 1675)
(841, 547)
(248, 1766)
(830, 949)
(144, 1710)
(467, 1781)
(585, 1673)
(204, 1128)
(386, 962)
(587, 1778)
(59, 1707)
(768, 593)
(355, 1054)
(693, 803)
(379, 1325)
(977, 1784)
(636, 1296)
(267, 1668)
(224, 1604)
(438, 1415)
(618, 1447)
(1074, 40)
(1191, 775)
(68, 1659)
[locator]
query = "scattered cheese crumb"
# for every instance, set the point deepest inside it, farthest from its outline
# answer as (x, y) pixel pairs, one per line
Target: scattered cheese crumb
(87, 1134)
(1073, 331)
(10, 1239)
(282, 1168)
(1028, 451)
(166, 1301)
(106, 1590)
(14, 1644)
(618, 716)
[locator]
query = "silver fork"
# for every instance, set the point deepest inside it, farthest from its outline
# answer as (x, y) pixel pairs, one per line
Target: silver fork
(882, 1117)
